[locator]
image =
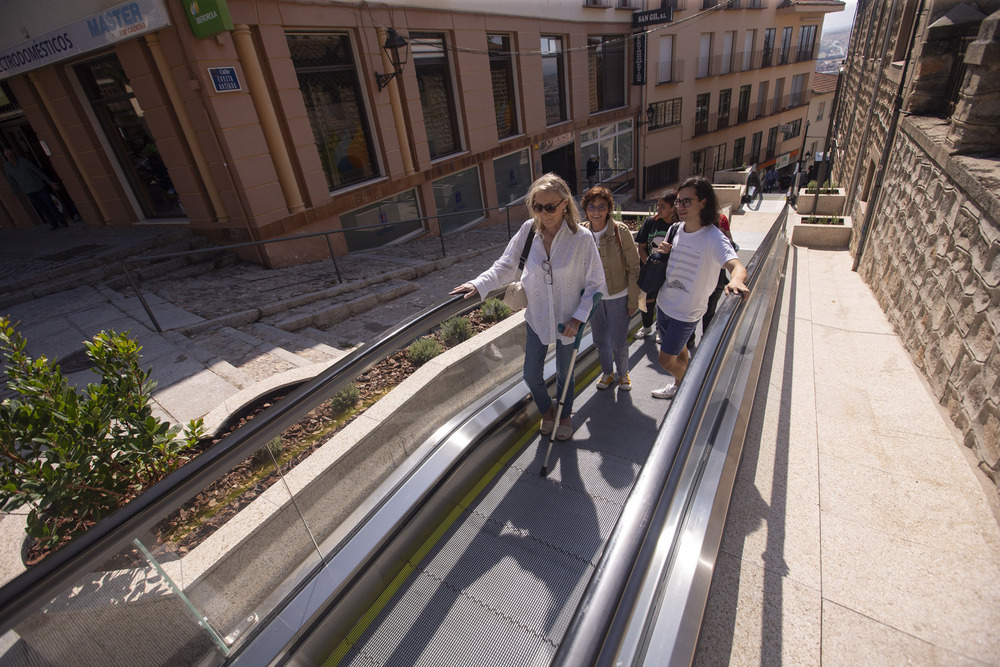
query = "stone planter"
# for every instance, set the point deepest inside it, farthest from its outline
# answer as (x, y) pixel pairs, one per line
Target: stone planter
(832, 204)
(822, 236)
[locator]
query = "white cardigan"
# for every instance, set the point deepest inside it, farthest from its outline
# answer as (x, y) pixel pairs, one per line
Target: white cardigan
(577, 275)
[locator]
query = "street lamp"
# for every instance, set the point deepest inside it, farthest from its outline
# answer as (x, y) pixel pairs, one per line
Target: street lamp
(393, 43)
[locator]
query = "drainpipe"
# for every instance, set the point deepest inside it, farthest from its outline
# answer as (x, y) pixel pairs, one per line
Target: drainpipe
(268, 117)
(74, 156)
(190, 136)
(890, 137)
(397, 109)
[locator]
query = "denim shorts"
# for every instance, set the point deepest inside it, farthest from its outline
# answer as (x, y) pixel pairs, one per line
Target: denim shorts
(674, 334)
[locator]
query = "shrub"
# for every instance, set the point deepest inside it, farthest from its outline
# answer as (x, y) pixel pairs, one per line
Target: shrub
(345, 399)
(456, 330)
(423, 350)
(827, 188)
(823, 220)
(494, 310)
(71, 457)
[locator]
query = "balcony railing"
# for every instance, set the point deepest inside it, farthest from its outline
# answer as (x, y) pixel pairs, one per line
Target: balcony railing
(674, 72)
(755, 4)
(702, 126)
(804, 54)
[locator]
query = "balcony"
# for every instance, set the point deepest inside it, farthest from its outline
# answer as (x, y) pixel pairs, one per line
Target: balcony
(597, 3)
(669, 72)
(804, 54)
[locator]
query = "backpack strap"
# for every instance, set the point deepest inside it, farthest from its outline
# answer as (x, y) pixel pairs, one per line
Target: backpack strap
(672, 232)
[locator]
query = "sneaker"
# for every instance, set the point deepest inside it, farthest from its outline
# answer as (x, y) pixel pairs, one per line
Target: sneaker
(667, 392)
(659, 338)
(643, 332)
(625, 383)
(606, 381)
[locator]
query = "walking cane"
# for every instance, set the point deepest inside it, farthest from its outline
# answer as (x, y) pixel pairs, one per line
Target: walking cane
(569, 378)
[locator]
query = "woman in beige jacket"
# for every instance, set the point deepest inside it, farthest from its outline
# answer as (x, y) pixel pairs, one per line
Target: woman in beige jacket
(620, 258)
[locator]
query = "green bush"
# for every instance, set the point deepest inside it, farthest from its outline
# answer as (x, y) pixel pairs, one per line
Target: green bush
(74, 457)
(456, 330)
(494, 310)
(345, 399)
(827, 188)
(423, 350)
(823, 220)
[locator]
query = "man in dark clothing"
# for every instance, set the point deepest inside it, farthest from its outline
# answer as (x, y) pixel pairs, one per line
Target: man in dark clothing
(593, 164)
(24, 174)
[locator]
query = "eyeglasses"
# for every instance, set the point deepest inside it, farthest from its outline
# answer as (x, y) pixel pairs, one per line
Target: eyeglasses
(597, 208)
(684, 202)
(548, 208)
(548, 271)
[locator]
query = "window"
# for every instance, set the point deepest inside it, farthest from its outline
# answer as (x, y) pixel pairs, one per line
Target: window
(698, 159)
(772, 142)
(767, 50)
(820, 110)
(705, 55)
(502, 73)
(720, 157)
(743, 110)
(796, 96)
(738, 152)
(807, 43)
(786, 45)
(728, 45)
(512, 175)
(437, 99)
(701, 113)
(613, 144)
(606, 61)
(553, 79)
(459, 199)
(662, 174)
(748, 44)
(794, 129)
(665, 67)
(378, 217)
(665, 114)
(754, 156)
(779, 89)
(761, 99)
(725, 99)
(327, 76)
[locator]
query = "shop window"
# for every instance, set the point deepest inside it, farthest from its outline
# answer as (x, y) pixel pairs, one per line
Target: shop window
(327, 75)
(384, 221)
(502, 73)
(606, 70)
(554, 79)
(665, 113)
(437, 97)
(459, 199)
(512, 175)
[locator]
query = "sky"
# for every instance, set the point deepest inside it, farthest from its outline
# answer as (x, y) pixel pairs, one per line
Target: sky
(842, 19)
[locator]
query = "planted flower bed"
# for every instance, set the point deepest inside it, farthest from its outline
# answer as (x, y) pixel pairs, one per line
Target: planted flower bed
(823, 199)
(822, 231)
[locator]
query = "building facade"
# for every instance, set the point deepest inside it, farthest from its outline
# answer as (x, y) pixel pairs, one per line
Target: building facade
(917, 127)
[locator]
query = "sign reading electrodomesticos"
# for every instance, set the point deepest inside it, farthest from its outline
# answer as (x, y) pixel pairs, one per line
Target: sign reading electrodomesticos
(207, 17)
(89, 33)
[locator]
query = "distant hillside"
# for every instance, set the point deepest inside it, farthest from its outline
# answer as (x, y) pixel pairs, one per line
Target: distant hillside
(832, 49)
(838, 34)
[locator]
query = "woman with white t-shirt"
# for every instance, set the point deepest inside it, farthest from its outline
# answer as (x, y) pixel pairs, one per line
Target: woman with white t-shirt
(698, 252)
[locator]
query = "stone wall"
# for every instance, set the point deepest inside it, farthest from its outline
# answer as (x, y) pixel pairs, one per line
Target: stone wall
(933, 262)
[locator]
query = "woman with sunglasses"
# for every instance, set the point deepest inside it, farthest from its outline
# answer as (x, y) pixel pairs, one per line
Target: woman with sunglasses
(620, 259)
(653, 231)
(698, 252)
(562, 273)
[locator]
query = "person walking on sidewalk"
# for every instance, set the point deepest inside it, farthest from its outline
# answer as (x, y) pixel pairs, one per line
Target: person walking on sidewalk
(24, 174)
(698, 252)
(653, 231)
(620, 259)
(562, 274)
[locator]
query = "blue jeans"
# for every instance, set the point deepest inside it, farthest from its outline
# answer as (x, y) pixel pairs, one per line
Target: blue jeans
(534, 363)
(609, 324)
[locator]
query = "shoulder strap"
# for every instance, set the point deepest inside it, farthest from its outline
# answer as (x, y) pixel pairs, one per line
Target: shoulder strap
(617, 237)
(672, 232)
(527, 248)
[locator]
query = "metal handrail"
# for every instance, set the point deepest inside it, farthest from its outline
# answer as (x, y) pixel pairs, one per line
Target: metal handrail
(298, 237)
(597, 617)
(36, 587)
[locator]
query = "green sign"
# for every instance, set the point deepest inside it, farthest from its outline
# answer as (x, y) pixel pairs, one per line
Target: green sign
(207, 17)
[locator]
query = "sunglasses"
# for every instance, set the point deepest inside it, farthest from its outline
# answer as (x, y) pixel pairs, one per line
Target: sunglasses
(548, 271)
(548, 208)
(684, 202)
(597, 208)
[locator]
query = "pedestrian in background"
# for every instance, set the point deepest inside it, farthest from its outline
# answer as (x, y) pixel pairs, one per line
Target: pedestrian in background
(651, 234)
(24, 174)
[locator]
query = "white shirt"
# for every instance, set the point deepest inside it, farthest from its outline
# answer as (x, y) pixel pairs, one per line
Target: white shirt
(576, 267)
(693, 272)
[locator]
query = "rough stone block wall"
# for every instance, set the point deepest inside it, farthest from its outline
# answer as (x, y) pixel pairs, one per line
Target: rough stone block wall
(933, 263)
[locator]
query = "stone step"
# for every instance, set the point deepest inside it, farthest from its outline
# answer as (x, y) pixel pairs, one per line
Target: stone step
(303, 346)
(318, 315)
(254, 359)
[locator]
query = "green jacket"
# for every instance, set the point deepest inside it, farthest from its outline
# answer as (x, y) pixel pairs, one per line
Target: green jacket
(620, 258)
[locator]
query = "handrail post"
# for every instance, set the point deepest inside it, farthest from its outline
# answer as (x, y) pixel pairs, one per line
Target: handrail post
(441, 236)
(142, 300)
(507, 210)
(333, 257)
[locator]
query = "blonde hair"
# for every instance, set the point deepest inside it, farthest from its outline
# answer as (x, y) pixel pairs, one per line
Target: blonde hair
(557, 186)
